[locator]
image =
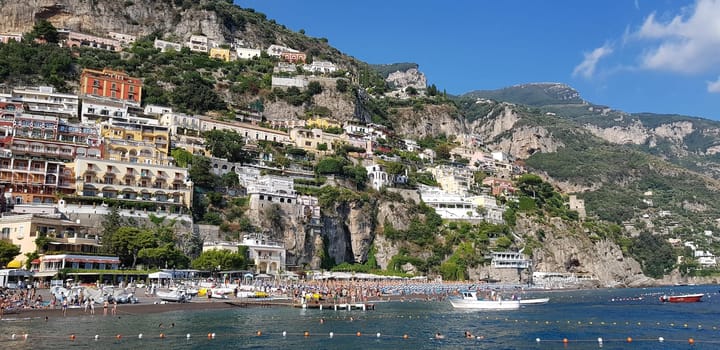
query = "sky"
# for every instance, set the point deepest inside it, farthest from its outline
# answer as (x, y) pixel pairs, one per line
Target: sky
(660, 56)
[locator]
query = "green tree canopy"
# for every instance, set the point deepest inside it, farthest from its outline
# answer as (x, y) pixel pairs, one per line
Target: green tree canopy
(128, 241)
(224, 259)
(182, 157)
(43, 29)
(226, 144)
(8, 252)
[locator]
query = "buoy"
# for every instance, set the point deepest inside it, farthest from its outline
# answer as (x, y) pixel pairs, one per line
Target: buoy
(212, 335)
(405, 336)
(565, 340)
(162, 335)
(209, 335)
(661, 339)
(118, 337)
(600, 341)
(12, 336)
(629, 340)
(307, 334)
(691, 341)
(537, 340)
(259, 333)
(140, 336)
(284, 334)
(25, 336)
(378, 335)
(358, 334)
(97, 337)
(72, 336)
(187, 336)
(332, 334)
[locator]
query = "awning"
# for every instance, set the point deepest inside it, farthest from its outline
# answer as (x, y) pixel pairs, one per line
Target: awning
(15, 264)
(45, 274)
(35, 261)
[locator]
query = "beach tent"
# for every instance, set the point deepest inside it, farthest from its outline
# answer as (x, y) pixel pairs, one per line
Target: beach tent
(159, 275)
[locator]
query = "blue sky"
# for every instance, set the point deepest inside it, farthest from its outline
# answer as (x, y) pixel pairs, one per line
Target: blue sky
(659, 56)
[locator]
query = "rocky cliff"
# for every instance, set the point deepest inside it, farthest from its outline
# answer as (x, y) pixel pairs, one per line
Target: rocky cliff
(412, 77)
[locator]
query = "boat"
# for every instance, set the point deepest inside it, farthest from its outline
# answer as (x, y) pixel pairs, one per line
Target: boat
(537, 301)
(469, 300)
(178, 296)
(685, 298)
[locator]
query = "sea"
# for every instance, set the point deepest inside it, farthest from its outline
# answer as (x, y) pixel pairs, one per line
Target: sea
(573, 319)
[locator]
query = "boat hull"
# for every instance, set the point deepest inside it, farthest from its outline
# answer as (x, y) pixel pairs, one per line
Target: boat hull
(687, 298)
(537, 301)
(485, 304)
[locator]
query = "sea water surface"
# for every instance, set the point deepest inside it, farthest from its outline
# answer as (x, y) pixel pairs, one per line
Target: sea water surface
(580, 316)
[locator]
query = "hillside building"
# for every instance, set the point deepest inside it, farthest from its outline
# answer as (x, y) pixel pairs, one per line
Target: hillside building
(111, 84)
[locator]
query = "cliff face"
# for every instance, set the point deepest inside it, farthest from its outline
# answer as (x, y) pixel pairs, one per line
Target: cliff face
(138, 17)
(431, 120)
(410, 78)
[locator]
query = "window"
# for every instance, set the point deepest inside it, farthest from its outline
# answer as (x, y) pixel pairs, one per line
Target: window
(91, 110)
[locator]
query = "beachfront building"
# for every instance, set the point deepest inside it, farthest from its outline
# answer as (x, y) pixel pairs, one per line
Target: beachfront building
(111, 84)
(166, 186)
(81, 266)
(265, 256)
(509, 260)
(64, 235)
(44, 100)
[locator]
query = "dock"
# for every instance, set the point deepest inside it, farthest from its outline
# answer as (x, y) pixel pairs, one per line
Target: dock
(246, 303)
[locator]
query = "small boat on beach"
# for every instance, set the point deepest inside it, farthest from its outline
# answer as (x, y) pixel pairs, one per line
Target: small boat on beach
(178, 296)
(536, 301)
(685, 298)
(470, 301)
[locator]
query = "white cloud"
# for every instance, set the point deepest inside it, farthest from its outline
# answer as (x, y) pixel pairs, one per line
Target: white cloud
(714, 86)
(587, 67)
(688, 43)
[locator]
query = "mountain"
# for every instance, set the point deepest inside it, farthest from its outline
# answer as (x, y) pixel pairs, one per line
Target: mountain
(629, 183)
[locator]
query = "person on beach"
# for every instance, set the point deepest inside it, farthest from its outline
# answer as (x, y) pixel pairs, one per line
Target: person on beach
(114, 308)
(64, 306)
(92, 306)
(105, 307)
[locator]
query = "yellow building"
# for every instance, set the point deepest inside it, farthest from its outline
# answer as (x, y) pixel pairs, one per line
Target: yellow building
(321, 123)
(136, 143)
(310, 139)
(222, 54)
(65, 235)
(166, 186)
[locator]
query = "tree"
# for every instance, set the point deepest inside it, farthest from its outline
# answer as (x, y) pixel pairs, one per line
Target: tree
(200, 172)
(230, 179)
(166, 256)
(43, 29)
(411, 91)
(194, 93)
(341, 85)
(224, 259)
(128, 241)
(314, 88)
(182, 157)
(432, 90)
(227, 145)
(8, 252)
(111, 223)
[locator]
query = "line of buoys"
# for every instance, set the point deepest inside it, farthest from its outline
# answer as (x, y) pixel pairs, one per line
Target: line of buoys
(600, 340)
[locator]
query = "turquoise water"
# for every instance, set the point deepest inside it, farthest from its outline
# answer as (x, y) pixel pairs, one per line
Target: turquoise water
(579, 316)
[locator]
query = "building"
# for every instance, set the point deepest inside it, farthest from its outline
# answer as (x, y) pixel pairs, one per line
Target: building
(313, 139)
(111, 84)
(276, 50)
(246, 130)
(322, 67)
(164, 46)
(450, 206)
(321, 123)
(578, 205)
(265, 256)
(8, 37)
(293, 57)
(378, 177)
(45, 100)
(453, 179)
(488, 205)
(216, 245)
(299, 82)
(246, 54)
(220, 53)
(198, 43)
(125, 39)
(76, 39)
(509, 260)
(166, 186)
(136, 143)
(65, 235)
(49, 265)
(499, 186)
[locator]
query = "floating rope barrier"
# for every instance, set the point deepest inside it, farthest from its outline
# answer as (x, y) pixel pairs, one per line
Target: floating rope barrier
(211, 336)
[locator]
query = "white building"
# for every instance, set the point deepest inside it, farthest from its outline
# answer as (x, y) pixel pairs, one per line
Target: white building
(44, 99)
(377, 176)
(98, 109)
(450, 206)
(167, 45)
(705, 258)
(266, 256)
(509, 260)
(125, 39)
(198, 43)
(322, 67)
(300, 82)
(157, 110)
(277, 50)
(246, 54)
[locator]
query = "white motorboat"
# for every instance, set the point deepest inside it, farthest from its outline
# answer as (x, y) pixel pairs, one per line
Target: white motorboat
(178, 296)
(536, 301)
(469, 300)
